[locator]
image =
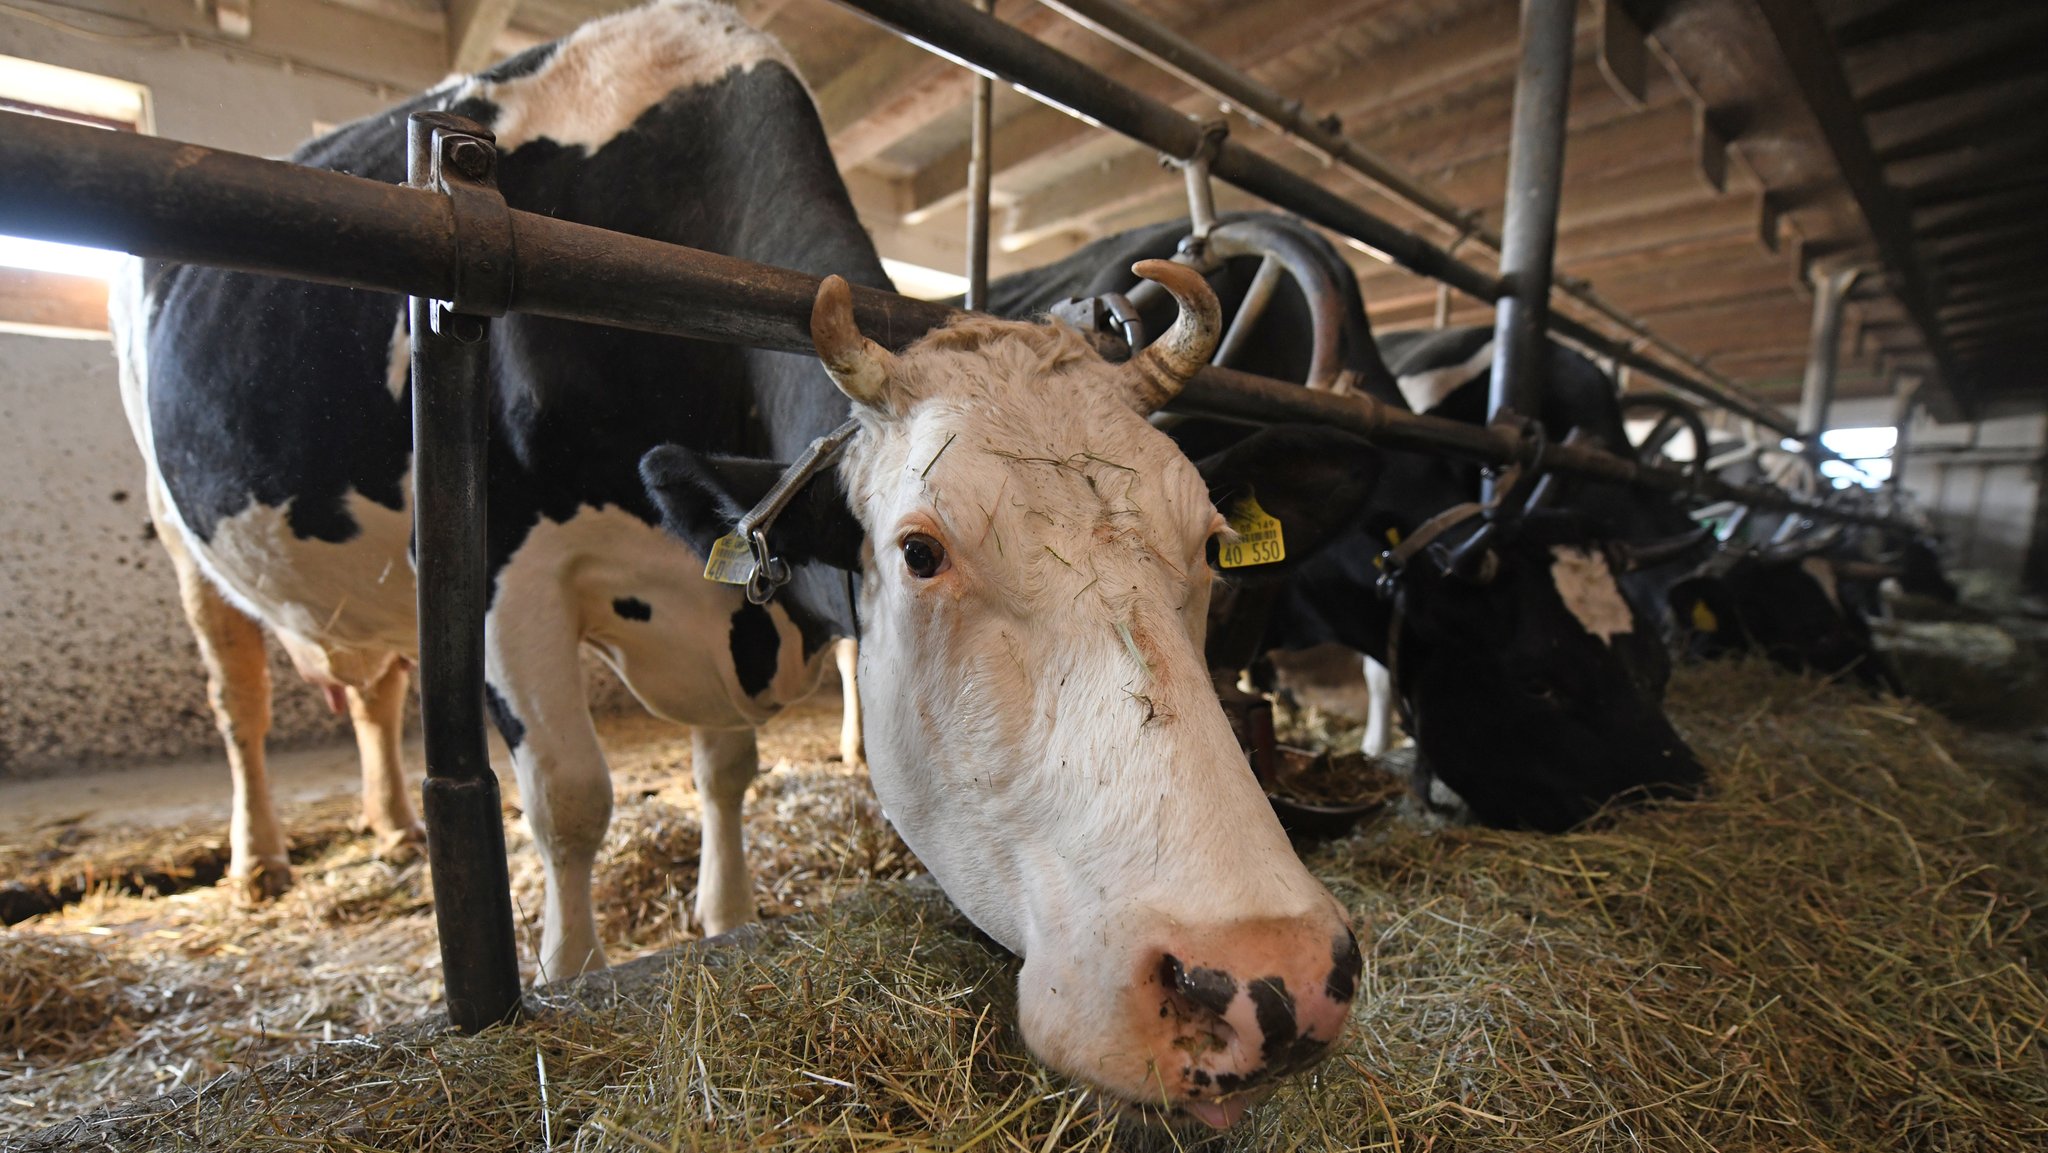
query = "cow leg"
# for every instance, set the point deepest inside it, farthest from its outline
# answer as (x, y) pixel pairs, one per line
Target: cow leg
(534, 691)
(238, 688)
(378, 712)
(847, 653)
(1379, 709)
(724, 762)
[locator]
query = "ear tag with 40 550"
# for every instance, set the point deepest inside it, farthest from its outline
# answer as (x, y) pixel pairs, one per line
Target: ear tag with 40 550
(1259, 539)
(730, 562)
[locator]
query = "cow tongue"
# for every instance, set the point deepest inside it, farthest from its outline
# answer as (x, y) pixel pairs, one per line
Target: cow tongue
(1218, 1114)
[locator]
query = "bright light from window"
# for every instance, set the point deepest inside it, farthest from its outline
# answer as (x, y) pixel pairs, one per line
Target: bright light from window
(921, 282)
(46, 256)
(35, 87)
(1860, 442)
(69, 90)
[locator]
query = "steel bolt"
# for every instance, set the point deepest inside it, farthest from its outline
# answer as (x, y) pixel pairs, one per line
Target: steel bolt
(471, 158)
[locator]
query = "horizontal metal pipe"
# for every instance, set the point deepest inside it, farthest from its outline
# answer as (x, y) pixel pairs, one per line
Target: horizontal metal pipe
(161, 198)
(1173, 52)
(989, 46)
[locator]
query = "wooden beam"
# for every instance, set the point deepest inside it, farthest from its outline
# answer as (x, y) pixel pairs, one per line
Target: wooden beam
(473, 28)
(1251, 36)
(2003, 60)
(1624, 57)
(898, 87)
(48, 300)
(1905, 17)
(2029, 208)
(1958, 189)
(1710, 146)
(1808, 56)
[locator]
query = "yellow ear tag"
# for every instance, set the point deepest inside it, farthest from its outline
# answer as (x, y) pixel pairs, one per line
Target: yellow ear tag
(1703, 618)
(1259, 540)
(1393, 538)
(731, 562)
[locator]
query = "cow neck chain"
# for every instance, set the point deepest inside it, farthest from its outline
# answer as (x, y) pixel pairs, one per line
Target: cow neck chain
(771, 572)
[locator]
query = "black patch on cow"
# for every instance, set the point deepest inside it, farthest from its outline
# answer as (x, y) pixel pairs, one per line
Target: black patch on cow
(633, 608)
(755, 648)
(509, 725)
(1347, 963)
(1211, 989)
(274, 392)
(1274, 1007)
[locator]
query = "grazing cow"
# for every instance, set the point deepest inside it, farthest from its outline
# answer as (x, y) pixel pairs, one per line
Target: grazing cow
(1523, 670)
(1022, 553)
(1708, 600)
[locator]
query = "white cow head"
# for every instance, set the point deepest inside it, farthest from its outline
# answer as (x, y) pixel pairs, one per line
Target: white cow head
(1040, 721)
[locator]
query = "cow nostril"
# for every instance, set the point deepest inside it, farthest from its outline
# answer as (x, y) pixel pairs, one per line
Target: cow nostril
(1211, 990)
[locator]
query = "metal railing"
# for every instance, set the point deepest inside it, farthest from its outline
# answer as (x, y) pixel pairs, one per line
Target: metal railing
(987, 45)
(162, 198)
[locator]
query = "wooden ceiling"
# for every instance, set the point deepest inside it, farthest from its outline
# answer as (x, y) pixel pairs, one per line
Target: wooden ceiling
(1772, 140)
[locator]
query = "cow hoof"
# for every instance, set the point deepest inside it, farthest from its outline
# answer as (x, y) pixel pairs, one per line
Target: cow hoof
(400, 846)
(267, 881)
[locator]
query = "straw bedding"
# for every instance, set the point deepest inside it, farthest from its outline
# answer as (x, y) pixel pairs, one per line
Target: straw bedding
(1838, 951)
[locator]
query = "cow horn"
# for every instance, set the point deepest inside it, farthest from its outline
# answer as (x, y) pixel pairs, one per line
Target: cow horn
(1634, 557)
(859, 366)
(1166, 364)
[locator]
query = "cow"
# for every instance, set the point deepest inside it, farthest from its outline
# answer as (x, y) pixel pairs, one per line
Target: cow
(1022, 554)
(1782, 599)
(1524, 672)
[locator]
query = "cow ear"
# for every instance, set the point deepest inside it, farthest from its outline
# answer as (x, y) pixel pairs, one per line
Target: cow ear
(1306, 483)
(702, 497)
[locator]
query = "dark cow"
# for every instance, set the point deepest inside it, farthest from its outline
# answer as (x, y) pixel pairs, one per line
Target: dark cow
(1710, 600)
(1523, 669)
(1024, 555)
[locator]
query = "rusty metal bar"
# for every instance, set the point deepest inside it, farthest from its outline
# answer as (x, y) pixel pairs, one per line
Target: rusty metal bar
(1817, 390)
(161, 198)
(1543, 90)
(1174, 53)
(980, 131)
(449, 156)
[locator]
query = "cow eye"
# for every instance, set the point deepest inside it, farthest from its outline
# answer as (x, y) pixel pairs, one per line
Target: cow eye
(924, 556)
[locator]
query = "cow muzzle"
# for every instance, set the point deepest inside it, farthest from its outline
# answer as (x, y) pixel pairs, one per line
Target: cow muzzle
(1232, 1011)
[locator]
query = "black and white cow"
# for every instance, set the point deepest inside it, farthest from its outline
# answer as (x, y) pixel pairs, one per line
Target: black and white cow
(1708, 599)
(1524, 671)
(1023, 553)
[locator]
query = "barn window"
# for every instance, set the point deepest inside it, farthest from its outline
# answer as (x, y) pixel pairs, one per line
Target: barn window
(923, 283)
(61, 289)
(1866, 455)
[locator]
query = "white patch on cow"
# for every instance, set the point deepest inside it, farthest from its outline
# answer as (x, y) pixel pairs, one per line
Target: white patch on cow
(1823, 574)
(1425, 390)
(1379, 709)
(346, 607)
(398, 364)
(1587, 586)
(605, 74)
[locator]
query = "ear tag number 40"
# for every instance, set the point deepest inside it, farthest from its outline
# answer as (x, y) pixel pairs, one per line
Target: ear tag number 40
(1259, 540)
(730, 562)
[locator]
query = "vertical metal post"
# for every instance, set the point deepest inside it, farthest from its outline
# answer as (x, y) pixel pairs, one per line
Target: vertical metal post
(1543, 87)
(465, 826)
(1905, 398)
(1817, 394)
(978, 183)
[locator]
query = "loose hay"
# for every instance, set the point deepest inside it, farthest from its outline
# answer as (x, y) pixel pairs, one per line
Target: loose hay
(1837, 951)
